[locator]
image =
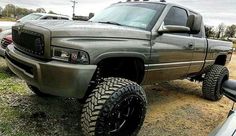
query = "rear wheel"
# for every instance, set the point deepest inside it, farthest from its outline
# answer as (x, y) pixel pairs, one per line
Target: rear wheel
(212, 84)
(37, 91)
(115, 107)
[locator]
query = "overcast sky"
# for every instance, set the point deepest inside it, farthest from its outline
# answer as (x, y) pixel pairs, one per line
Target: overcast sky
(213, 11)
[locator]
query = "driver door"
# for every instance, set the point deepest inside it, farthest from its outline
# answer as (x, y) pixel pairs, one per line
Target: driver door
(171, 53)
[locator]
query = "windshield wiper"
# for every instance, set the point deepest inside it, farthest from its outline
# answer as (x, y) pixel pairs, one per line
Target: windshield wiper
(110, 22)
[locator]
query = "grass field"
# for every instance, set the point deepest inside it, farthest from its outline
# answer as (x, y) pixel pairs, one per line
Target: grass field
(7, 19)
(235, 45)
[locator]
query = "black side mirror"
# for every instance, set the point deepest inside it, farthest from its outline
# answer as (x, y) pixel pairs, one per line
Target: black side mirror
(229, 88)
(91, 15)
(194, 23)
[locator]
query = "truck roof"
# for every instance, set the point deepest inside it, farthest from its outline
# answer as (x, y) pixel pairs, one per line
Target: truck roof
(165, 3)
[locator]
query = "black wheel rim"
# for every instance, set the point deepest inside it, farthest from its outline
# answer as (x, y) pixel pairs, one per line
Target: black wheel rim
(126, 116)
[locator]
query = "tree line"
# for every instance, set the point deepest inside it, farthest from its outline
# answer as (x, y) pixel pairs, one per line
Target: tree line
(10, 10)
(221, 31)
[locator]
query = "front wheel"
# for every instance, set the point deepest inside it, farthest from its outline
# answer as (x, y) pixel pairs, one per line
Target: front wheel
(115, 107)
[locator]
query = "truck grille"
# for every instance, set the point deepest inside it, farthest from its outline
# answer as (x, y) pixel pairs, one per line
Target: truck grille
(29, 42)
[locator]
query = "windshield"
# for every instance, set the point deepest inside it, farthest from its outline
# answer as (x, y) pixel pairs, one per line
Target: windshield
(139, 15)
(30, 17)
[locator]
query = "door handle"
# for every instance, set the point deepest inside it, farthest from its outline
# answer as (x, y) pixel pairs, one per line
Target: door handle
(190, 45)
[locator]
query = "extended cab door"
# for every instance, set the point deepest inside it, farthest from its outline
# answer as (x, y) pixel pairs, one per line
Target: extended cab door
(171, 53)
(199, 50)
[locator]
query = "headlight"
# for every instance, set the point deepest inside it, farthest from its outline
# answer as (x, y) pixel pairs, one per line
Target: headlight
(70, 55)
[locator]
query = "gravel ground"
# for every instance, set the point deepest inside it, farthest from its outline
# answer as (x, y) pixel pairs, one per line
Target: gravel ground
(175, 108)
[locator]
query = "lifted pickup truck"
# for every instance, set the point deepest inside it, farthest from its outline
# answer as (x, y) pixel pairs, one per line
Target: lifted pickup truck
(104, 61)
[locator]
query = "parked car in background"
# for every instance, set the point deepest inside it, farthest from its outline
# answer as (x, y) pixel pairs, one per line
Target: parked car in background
(5, 40)
(228, 127)
(5, 35)
(43, 16)
(5, 25)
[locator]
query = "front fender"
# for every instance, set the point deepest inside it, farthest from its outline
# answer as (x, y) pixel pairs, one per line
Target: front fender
(102, 48)
(119, 55)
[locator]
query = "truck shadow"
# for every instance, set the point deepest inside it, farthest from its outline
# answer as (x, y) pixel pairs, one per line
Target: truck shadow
(172, 91)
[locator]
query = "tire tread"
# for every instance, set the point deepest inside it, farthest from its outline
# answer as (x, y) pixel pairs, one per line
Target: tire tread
(211, 80)
(96, 102)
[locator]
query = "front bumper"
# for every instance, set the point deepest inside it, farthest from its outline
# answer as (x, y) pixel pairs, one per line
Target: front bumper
(53, 77)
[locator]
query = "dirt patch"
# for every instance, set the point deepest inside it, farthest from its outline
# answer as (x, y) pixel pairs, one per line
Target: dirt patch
(177, 108)
(174, 108)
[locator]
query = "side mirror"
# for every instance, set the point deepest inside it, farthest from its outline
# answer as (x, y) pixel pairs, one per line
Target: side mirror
(194, 23)
(229, 88)
(173, 29)
(91, 15)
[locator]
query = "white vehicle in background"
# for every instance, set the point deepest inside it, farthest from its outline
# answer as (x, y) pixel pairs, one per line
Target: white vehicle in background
(228, 127)
(43, 16)
(6, 27)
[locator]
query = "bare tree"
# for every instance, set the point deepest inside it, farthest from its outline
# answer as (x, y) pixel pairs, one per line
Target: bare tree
(220, 30)
(210, 32)
(9, 10)
(230, 31)
(1, 12)
(40, 10)
(51, 12)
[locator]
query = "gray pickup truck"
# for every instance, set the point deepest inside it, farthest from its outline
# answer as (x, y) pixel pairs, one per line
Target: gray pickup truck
(104, 61)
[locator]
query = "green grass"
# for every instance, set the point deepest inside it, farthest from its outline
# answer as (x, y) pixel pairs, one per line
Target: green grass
(24, 114)
(234, 45)
(7, 19)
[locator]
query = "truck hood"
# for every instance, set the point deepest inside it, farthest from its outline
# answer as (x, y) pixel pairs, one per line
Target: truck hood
(90, 29)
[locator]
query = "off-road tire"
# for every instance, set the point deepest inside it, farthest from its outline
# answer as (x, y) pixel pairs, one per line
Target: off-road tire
(212, 84)
(37, 91)
(110, 95)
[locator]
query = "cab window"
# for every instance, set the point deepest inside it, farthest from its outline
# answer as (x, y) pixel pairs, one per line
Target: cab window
(176, 16)
(63, 18)
(50, 18)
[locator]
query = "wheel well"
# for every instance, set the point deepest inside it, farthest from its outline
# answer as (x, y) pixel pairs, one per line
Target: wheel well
(221, 60)
(129, 68)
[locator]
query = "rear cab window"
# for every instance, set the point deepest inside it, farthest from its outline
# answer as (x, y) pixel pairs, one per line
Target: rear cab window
(54, 18)
(50, 18)
(63, 18)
